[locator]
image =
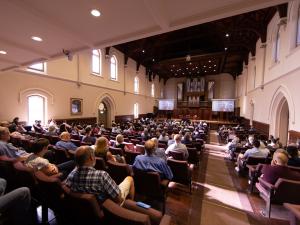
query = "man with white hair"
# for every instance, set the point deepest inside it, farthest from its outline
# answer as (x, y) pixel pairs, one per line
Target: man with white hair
(65, 142)
(178, 147)
(278, 168)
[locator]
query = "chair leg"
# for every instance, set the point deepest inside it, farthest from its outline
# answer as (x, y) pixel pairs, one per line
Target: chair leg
(268, 208)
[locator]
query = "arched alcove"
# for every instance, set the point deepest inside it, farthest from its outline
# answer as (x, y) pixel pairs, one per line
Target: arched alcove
(281, 114)
(110, 108)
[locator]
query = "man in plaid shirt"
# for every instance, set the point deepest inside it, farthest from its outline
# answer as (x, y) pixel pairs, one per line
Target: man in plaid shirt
(86, 179)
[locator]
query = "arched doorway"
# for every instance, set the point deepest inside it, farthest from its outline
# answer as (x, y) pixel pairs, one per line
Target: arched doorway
(281, 114)
(105, 110)
(283, 122)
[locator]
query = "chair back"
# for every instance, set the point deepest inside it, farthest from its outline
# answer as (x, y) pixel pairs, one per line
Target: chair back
(76, 142)
(140, 148)
(116, 151)
(82, 208)
(176, 155)
(147, 183)
(135, 141)
(180, 170)
(112, 143)
(162, 145)
(118, 171)
(61, 155)
(287, 191)
(130, 146)
(193, 156)
(130, 156)
(100, 164)
(54, 139)
(115, 215)
(255, 160)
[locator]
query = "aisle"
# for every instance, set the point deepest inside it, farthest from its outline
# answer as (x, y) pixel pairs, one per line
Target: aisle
(221, 202)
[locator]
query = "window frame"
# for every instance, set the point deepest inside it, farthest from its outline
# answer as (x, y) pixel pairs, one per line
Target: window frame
(99, 62)
(136, 85)
(152, 90)
(136, 110)
(115, 68)
(44, 107)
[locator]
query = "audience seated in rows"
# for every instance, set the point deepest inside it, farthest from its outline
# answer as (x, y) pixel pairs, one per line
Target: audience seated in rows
(38, 163)
(150, 162)
(256, 151)
(86, 179)
(65, 142)
(163, 137)
(52, 131)
(178, 147)
(87, 138)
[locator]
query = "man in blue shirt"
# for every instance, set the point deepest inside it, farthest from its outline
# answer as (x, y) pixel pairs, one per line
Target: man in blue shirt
(65, 142)
(149, 162)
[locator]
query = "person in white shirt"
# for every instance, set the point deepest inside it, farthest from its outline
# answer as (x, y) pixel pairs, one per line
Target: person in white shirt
(178, 147)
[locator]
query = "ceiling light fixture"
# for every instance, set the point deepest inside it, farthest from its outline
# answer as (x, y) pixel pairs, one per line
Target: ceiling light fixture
(209, 61)
(95, 12)
(36, 38)
(143, 51)
(227, 35)
(225, 49)
(3, 52)
(153, 60)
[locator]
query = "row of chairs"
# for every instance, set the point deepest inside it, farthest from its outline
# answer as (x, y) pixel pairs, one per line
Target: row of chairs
(76, 208)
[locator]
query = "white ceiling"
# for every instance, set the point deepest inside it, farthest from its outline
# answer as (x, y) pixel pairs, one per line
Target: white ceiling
(68, 24)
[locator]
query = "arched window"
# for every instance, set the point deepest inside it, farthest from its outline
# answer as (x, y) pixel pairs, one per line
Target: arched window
(136, 85)
(136, 110)
(152, 90)
(96, 62)
(36, 109)
(298, 28)
(276, 45)
(113, 68)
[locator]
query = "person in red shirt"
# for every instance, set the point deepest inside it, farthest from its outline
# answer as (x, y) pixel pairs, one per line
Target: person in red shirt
(278, 168)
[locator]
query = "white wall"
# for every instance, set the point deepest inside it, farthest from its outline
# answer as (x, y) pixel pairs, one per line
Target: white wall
(279, 78)
(64, 80)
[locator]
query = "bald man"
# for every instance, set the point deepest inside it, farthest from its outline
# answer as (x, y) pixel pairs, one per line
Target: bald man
(150, 162)
(278, 168)
(65, 142)
(178, 147)
(86, 179)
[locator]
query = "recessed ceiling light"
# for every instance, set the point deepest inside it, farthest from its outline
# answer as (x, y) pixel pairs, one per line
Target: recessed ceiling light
(209, 61)
(205, 71)
(3, 52)
(36, 38)
(227, 35)
(190, 63)
(225, 49)
(204, 66)
(214, 70)
(153, 60)
(95, 12)
(210, 67)
(215, 65)
(143, 51)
